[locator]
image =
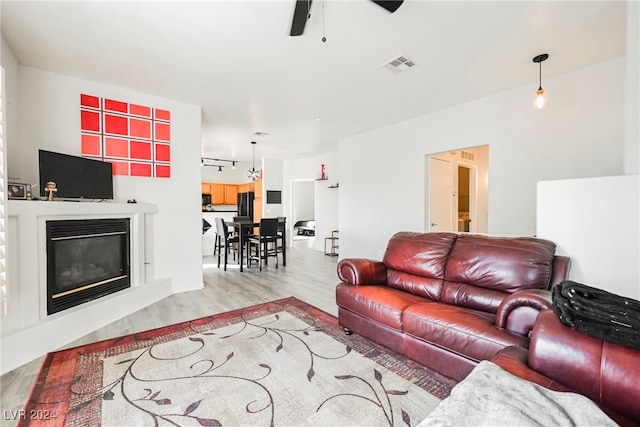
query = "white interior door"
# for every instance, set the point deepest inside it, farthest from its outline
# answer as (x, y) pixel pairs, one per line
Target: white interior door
(440, 194)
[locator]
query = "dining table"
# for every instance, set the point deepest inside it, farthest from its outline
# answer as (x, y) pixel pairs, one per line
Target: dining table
(245, 229)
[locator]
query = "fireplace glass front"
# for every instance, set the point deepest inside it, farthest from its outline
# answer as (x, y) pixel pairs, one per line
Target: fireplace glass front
(86, 259)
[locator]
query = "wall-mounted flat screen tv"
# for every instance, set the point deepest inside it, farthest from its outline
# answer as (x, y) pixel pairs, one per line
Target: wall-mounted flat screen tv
(75, 177)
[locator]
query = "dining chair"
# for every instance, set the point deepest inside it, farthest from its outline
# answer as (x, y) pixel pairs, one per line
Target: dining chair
(224, 241)
(247, 234)
(282, 223)
(260, 244)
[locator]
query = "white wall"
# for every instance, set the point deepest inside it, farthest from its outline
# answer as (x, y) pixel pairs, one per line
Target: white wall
(382, 171)
(49, 118)
(12, 131)
(632, 143)
(482, 187)
(326, 207)
(595, 222)
(272, 181)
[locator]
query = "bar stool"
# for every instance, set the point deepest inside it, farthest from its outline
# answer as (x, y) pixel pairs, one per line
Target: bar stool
(332, 242)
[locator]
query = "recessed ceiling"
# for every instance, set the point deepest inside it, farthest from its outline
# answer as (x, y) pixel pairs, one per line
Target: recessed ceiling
(237, 61)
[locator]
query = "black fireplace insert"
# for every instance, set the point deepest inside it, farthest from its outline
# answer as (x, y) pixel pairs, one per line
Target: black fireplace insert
(86, 259)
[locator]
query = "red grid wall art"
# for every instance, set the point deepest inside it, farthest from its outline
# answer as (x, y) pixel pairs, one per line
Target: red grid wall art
(134, 138)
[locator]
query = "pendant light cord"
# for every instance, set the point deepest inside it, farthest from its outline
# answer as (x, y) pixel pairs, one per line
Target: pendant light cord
(324, 38)
(540, 76)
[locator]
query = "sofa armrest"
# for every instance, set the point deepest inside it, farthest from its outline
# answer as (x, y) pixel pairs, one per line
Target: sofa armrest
(518, 312)
(604, 372)
(361, 271)
(515, 361)
(559, 270)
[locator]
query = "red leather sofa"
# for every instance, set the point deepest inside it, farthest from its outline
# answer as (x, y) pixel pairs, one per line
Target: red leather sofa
(449, 301)
(562, 359)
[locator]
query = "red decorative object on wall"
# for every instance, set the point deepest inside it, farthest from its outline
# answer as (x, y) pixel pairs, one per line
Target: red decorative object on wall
(135, 139)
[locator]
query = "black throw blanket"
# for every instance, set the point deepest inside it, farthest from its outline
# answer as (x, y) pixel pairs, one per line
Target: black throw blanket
(598, 313)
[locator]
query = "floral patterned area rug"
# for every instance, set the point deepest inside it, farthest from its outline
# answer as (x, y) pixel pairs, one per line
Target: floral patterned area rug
(283, 363)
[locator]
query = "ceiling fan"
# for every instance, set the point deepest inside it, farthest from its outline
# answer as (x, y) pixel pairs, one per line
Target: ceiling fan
(302, 13)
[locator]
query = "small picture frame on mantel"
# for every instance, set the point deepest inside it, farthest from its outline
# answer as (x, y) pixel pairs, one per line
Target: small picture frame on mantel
(17, 191)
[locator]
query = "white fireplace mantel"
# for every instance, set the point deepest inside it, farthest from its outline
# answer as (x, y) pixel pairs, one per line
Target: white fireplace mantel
(27, 332)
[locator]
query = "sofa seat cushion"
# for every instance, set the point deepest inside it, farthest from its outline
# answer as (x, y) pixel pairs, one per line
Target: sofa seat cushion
(467, 332)
(381, 304)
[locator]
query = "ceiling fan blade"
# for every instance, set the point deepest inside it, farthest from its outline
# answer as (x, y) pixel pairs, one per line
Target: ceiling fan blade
(300, 15)
(389, 5)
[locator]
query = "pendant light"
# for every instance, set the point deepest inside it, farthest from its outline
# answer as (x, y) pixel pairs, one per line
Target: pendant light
(540, 99)
(253, 173)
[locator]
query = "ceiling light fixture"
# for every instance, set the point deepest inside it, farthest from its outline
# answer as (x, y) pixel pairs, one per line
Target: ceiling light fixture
(540, 100)
(204, 161)
(253, 173)
(210, 161)
(215, 166)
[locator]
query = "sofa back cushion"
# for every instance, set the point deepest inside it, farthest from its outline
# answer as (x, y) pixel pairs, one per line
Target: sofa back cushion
(507, 264)
(416, 262)
(482, 270)
(427, 287)
(467, 270)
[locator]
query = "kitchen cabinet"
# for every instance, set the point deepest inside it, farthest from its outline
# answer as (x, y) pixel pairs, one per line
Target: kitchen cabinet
(227, 194)
(217, 194)
(230, 194)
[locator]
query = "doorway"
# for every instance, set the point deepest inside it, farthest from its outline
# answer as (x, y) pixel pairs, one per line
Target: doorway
(466, 197)
(457, 190)
(302, 210)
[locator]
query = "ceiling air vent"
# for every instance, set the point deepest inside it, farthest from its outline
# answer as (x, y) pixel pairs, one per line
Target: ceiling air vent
(467, 155)
(398, 64)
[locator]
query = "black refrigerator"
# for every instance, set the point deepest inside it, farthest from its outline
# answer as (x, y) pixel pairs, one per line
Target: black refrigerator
(245, 204)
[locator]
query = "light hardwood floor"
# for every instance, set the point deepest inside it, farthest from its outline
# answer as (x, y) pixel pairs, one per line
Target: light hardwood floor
(309, 276)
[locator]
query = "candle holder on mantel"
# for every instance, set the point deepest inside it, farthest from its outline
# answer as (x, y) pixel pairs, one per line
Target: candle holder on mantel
(51, 188)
